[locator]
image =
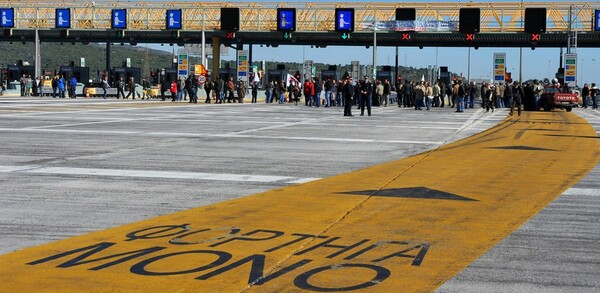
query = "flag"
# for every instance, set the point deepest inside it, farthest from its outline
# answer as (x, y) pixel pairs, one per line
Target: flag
(289, 79)
(422, 77)
(199, 69)
(256, 78)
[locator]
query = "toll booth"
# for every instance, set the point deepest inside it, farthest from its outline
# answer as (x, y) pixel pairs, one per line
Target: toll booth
(330, 73)
(126, 73)
(82, 74)
(278, 74)
(386, 73)
(445, 75)
(227, 73)
(15, 72)
(170, 75)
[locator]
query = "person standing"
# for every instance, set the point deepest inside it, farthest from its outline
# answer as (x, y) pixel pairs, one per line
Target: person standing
(241, 91)
(219, 88)
(419, 95)
(254, 92)
(517, 96)
(585, 94)
(328, 88)
(61, 87)
(269, 93)
(121, 88)
(54, 86)
(317, 93)
(131, 85)
(308, 89)
(40, 85)
(347, 92)
(366, 94)
(173, 91)
(472, 94)
(180, 88)
(379, 94)
(73, 87)
(230, 89)
(387, 89)
(594, 94)
(487, 95)
(208, 86)
(145, 89)
(105, 87)
(428, 95)
(436, 90)
(281, 92)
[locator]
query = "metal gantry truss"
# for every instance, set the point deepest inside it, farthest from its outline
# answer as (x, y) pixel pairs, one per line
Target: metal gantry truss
(311, 17)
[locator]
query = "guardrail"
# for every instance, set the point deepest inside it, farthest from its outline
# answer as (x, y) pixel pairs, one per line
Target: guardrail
(311, 17)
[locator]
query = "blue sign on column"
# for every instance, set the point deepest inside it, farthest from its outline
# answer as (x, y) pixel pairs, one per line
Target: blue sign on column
(118, 19)
(174, 19)
(597, 20)
(8, 17)
(63, 18)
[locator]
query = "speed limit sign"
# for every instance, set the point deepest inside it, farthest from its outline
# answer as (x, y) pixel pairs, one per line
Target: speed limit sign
(202, 79)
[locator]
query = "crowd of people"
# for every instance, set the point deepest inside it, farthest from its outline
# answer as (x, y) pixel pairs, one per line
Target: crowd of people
(60, 88)
(330, 92)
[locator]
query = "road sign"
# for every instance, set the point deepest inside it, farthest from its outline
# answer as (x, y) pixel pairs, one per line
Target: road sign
(344, 19)
(174, 19)
(118, 19)
(242, 65)
(499, 67)
(571, 72)
(287, 35)
(202, 79)
(182, 65)
(286, 19)
(345, 36)
(62, 18)
(597, 20)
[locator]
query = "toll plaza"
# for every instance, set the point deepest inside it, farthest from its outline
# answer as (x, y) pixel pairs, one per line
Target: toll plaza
(471, 201)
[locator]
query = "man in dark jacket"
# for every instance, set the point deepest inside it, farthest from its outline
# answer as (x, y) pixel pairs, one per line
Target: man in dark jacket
(131, 85)
(347, 92)
(518, 94)
(366, 95)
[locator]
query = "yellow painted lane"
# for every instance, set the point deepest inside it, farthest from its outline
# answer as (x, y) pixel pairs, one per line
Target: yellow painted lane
(403, 226)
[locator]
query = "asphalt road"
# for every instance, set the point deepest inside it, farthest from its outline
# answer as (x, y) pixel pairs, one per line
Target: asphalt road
(68, 167)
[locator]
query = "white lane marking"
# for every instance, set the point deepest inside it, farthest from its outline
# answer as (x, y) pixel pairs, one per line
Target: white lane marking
(153, 174)
(582, 191)
(200, 135)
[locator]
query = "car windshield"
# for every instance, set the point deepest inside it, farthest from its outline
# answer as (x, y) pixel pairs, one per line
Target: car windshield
(551, 90)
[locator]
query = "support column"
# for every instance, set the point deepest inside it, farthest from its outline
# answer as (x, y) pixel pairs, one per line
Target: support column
(251, 69)
(38, 57)
(216, 62)
(107, 57)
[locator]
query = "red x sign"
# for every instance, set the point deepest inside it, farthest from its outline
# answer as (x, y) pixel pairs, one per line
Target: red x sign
(470, 37)
(230, 35)
(405, 36)
(535, 37)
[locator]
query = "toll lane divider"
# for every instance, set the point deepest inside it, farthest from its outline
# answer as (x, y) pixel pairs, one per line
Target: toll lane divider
(407, 225)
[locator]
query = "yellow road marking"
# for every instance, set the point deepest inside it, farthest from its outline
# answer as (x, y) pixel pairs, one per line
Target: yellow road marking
(427, 218)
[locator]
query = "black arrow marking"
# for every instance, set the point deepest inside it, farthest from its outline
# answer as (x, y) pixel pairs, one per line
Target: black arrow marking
(522, 148)
(411, 192)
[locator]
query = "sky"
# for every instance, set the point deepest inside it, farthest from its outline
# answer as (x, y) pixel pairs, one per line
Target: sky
(537, 64)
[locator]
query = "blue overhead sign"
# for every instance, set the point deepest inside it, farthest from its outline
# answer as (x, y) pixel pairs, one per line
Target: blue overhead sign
(174, 19)
(63, 18)
(344, 19)
(118, 19)
(8, 17)
(286, 19)
(597, 20)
